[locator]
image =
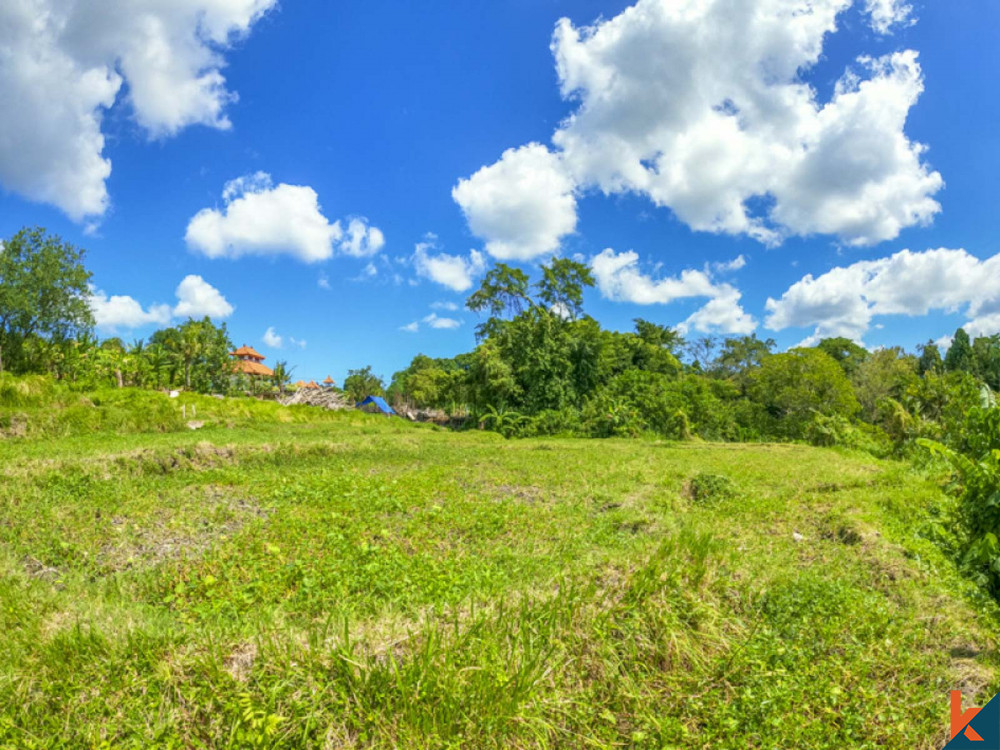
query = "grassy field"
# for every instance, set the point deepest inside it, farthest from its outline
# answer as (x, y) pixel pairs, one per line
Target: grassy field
(363, 582)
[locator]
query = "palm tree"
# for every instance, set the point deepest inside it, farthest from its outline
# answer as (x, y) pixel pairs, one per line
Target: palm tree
(282, 375)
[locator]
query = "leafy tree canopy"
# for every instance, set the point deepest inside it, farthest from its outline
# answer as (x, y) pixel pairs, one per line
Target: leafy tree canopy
(44, 294)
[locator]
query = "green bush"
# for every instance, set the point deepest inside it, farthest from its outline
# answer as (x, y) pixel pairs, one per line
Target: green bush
(711, 488)
(977, 467)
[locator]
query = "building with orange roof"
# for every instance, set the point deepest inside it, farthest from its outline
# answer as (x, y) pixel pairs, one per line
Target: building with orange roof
(329, 382)
(248, 362)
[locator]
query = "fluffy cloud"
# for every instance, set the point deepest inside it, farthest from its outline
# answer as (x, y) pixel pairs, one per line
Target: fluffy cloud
(843, 301)
(66, 63)
(522, 205)
(702, 108)
(260, 218)
(620, 279)
(272, 339)
(433, 320)
(121, 311)
(361, 240)
(885, 14)
(275, 341)
(721, 314)
(196, 298)
(730, 265)
(436, 321)
(453, 271)
(450, 306)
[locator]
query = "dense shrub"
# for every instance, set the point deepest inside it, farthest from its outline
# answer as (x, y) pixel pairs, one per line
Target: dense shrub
(977, 466)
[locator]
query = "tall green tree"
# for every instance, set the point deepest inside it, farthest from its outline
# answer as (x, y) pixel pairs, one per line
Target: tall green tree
(847, 354)
(561, 286)
(986, 353)
(741, 354)
(197, 353)
(795, 386)
(930, 359)
(886, 373)
(504, 290)
(959, 357)
(359, 384)
(281, 375)
(44, 294)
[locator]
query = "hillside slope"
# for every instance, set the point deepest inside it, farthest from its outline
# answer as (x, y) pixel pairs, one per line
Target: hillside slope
(363, 582)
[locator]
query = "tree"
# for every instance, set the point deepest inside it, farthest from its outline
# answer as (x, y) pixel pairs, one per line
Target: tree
(44, 294)
(930, 359)
(359, 384)
(198, 350)
(561, 287)
(986, 354)
(741, 354)
(848, 354)
(799, 384)
(281, 375)
(959, 357)
(504, 290)
(702, 352)
(661, 336)
(886, 373)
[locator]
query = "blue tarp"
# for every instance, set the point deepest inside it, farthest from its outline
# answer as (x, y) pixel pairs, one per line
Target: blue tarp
(379, 402)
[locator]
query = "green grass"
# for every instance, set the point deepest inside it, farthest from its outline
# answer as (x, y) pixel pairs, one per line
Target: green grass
(352, 581)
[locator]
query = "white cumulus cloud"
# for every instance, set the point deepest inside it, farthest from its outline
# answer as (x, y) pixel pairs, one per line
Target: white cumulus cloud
(260, 218)
(521, 206)
(65, 64)
(844, 300)
(436, 321)
(121, 311)
(702, 107)
(272, 339)
(453, 271)
(361, 240)
(196, 298)
(886, 14)
(619, 278)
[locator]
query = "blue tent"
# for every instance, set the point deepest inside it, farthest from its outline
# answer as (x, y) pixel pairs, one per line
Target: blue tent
(379, 403)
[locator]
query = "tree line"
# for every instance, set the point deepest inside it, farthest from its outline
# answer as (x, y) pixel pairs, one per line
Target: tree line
(47, 326)
(540, 366)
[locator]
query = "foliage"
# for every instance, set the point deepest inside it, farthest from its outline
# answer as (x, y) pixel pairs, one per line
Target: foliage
(196, 355)
(847, 353)
(883, 374)
(360, 384)
(561, 286)
(43, 300)
(930, 359)
(977, 466)
(504, 290)
(795, 386)
(960, 357)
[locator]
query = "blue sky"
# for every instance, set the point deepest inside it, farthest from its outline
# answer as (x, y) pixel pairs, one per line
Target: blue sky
(438, 135)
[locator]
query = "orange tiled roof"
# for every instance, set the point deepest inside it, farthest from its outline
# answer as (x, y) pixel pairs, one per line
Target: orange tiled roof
(329, 381)
(248, 351)
(252, 368)
(312, 385)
